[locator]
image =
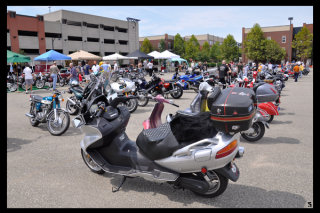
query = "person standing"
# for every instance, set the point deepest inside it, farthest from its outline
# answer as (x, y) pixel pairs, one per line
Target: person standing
(240, 67)
(74, 74)
(205, 66)
(95, 68)
(115, 66)
(86, 70)
(54, 70)
(223, 70)
(150, 66)
(28, 77)
(296, 70)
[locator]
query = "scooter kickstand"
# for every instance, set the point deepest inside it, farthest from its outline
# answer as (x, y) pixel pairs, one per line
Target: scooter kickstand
(122, 181)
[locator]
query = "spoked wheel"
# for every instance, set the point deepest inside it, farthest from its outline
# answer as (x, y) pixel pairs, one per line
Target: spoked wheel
(72, 109)
(131, 104)
(143, 101)
(12, 87)
(40, 84)
(62, 83)
(33, 121)
(218, 184)
(57, 126)
(89, 162)
(257, 134)
(178, 92)
(23, 86)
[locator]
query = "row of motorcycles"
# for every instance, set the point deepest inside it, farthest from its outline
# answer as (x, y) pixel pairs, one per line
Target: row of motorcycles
(40, 81)
(194, 149)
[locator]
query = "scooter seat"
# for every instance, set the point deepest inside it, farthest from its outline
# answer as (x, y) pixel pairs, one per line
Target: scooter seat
(37, 98)
(157, 143)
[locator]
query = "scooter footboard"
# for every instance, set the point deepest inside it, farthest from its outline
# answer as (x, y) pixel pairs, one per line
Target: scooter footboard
(203, 153)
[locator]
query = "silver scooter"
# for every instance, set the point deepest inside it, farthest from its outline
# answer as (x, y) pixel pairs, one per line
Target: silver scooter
(202, 164)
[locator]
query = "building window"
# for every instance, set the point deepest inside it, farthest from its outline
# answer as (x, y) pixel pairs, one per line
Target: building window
(58, 50)
(73, 23)
(283, 39)
(108, 41)
(31, 51)
(108, 53)
(95, 53)
(8, 31)
(8, 47)
(269, 37)
(108, 28)
(123, 53)
(93, 39)
(27, 33)
(74, 38)
(53, 35)
(92, 25)
(122, 42)
(122, 30)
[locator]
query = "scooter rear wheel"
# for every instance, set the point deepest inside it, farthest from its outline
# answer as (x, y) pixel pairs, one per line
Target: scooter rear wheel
(89, 162)
(270, 118)
(259, 130)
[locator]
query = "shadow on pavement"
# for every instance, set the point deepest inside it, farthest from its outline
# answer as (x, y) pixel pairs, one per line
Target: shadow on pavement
(289, 113)
(235, 196)
(71, 131)
(280, 122)
(268, 140)
(14, 144)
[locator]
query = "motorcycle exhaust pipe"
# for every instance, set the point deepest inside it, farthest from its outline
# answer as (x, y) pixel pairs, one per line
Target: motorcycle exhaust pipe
(74, 103)
(29, 115)
(240, 152)
(194, 185)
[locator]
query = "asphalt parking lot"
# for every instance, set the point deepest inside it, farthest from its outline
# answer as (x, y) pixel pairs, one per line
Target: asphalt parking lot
(45, 171)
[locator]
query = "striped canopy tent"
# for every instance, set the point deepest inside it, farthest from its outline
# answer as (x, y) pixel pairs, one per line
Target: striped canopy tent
(83, 55)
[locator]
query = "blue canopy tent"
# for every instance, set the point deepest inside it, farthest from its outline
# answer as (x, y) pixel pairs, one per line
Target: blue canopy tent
(51, 55)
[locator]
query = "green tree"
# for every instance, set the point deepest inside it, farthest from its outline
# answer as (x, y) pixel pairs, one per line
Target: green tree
(215, 53)
(179, 45)
(162, 45)
(192, 48)
(303, 43)
(204, 54)
(146, 46)
(254, 44)
(274, 52)
(229, 48)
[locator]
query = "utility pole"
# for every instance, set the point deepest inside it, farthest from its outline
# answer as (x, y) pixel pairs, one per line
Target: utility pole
(49, 9)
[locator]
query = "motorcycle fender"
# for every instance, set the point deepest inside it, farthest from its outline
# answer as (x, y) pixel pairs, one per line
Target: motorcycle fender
(269, 107)
(229, 171)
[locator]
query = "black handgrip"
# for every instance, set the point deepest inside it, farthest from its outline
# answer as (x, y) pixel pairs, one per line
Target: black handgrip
(175, 105)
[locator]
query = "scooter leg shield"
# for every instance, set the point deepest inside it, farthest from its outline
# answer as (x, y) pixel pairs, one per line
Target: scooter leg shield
(229, 171)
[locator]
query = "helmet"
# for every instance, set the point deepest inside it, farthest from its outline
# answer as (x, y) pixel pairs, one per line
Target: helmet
(101, 62)
(74, 83)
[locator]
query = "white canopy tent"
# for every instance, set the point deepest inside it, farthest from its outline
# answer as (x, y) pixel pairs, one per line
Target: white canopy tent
(115, 57)
(167, 54)
(157, 55)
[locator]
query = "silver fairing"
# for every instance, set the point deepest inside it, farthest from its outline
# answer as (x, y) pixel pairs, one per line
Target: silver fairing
(91, 136)
(193, 157)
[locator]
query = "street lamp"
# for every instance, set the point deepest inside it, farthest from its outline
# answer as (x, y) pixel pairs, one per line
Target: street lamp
(290, 19)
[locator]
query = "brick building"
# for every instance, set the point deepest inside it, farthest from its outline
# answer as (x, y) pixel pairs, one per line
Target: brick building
(283, 35)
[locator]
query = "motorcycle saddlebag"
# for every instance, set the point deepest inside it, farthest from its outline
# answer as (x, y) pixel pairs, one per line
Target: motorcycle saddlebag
(266, 93)
(233, 110)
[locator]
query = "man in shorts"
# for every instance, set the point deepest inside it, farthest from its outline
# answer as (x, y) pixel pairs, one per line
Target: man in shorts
(86, 70)
(28, 77)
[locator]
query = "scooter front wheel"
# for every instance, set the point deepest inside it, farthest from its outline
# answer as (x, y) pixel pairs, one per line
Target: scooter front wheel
(258, 133)
(90, 164)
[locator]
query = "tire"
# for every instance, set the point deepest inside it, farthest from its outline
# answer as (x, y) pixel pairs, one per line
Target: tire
(219, 189)
(142, 101)
(33, 112)
(270, 118)
(40, 84)
(51, 124)
(90, 164)
(132, 105)
(23, 86)
(258, 133)
(72, 110)
(177, 94)
(61, 82)
(12, 87)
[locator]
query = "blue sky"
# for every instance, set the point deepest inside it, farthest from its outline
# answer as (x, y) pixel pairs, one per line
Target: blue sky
(186, 20)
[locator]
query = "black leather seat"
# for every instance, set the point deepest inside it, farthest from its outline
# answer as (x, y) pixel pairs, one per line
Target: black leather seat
(78, 88)
(157, 143)
(37, 98)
